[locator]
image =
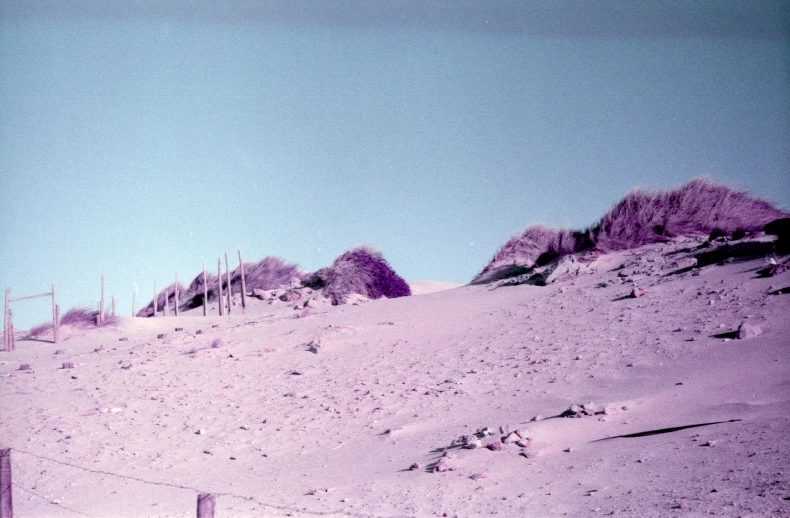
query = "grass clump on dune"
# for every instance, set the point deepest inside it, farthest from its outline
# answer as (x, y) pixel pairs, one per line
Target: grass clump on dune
(360, 270)
(165, 297)
(699, 207)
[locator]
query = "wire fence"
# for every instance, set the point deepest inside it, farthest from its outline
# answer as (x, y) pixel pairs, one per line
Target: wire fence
(205, 502)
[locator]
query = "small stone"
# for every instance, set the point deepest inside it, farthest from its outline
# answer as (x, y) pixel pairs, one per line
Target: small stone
(504, 429)
(68, 365)
(416, 466)
(245, 427)
(511, 438)
(60, 351)
(478, 476)
(116, 410)
(568, 450)
(200, 432)
(442, 466)
(528, 454)
(523, 443)
(746, 331)
(485, 431)
(161, 336)
(25, 367)
(575, 409)
(523, 433)
(636, 293)
(710, 443)
(123, 339)
(179, 329)
(199, 332)
(494, 446)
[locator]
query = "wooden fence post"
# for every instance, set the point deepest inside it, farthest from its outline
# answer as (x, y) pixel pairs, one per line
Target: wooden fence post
(57, 323)
(5, 318)
(219, 280)
(11, 345)
(155, 294)
(205, 505)
(167, 303)
(230, 290)
(243, 286)
(176, 294)
(134, 302)
(6, 504)
(101, 309)
(205, 292)
(113, 305)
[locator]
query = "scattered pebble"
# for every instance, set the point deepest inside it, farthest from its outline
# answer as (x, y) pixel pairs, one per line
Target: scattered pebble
(494, 446)
(161, 336)
(478, 476)
(60, 351)
(200, 432)
(416, 466)
(68, 365)
(25, 367)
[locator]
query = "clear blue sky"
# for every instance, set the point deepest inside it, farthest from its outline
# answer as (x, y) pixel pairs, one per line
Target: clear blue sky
(143, 138)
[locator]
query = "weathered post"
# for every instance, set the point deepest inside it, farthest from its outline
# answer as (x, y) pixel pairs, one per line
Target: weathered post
(10, 325)
(55, 319)
(243, 286)
(57, 323)
(219, 280)
(176, 294)
(113, 305)
(101, 308)
(134, 302)
(155, 294)
(205, 292)
(5, 318)
(230, 290)
(167, 303)
(205, 505)
(6, 504)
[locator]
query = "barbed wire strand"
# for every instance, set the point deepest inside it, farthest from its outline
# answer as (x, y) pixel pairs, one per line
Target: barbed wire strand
(193, 489)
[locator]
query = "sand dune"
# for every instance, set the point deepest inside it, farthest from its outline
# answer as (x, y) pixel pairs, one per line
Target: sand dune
(351, 410)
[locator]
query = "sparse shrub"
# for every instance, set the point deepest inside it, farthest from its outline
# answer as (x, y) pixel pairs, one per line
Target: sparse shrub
(84, 318)
(699, 207)
(360, 270)
(40, 330)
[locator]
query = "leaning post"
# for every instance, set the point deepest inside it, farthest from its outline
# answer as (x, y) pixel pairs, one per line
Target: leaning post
(6, 504)
(243, 286)
(205, 292)
(176, 294)
(101, 309)
(219, 281)
(5, 318)
(230, 290)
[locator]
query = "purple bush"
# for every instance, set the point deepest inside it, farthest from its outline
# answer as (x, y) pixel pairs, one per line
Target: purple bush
(84, 318)
(360, 270)
(40, 330)
(699, 207)
(269, 273)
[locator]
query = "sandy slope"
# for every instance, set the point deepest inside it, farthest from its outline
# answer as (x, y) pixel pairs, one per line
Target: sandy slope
(332, 431)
